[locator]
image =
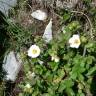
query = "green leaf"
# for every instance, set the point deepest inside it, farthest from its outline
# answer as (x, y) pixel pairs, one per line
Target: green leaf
(26, 67)
(61, 73)
(90, 45)
(38, 69)
(80, 93)
(89, 59)
(91, 71)
(70, 92)
(73, 75)
(51, 92)
(80, 77)
(62, 86)
(66, 16)
(68, 83)
(73, 26)
(34, 60)
(53, 65)
(48, 75)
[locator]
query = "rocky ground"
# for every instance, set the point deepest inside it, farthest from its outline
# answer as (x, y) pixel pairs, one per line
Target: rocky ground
(21, 14)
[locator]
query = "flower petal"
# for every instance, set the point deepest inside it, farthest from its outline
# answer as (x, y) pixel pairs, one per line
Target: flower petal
(31, 53)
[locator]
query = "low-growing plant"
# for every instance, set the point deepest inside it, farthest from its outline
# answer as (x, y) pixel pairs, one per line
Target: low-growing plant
(63, 67)
(66, 66)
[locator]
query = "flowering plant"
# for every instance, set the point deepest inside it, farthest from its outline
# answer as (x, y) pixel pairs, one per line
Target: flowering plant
(64, 66)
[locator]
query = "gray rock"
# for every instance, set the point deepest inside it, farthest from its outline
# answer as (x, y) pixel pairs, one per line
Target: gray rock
(39, 15)
(5, 5)
(66, 3)
(47, 36)
(12, 65)
(69, 4)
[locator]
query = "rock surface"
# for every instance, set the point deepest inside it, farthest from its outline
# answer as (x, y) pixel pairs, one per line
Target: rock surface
(56, 3)
(39, 15)
(47, 36)
(12, 65)
(5, 5)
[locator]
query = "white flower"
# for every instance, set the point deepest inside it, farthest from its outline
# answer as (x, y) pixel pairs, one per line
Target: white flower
(34, 51)
(74, 41)
(39, 14)
(28, 86)
(33, 74)
(55, 58)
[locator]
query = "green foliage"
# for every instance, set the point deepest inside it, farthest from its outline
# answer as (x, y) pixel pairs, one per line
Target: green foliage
(19, 37)
(69, 76)
(73, 74)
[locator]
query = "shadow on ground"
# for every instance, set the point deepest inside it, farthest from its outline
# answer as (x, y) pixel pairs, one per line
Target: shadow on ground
(3, 39)
(93, 85)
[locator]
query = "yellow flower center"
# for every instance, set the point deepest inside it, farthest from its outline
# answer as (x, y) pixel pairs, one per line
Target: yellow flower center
(77, 41)
(34, 51)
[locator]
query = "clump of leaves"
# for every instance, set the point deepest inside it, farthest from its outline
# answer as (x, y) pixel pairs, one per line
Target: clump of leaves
(71, 75)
